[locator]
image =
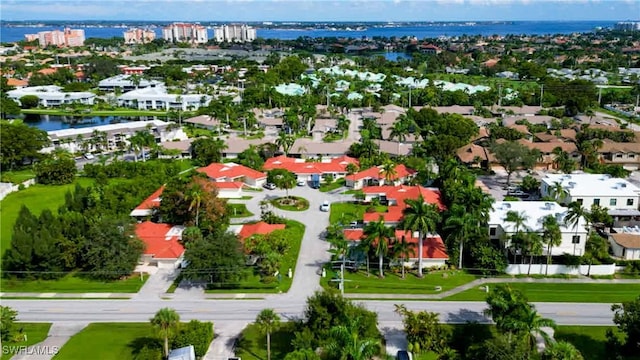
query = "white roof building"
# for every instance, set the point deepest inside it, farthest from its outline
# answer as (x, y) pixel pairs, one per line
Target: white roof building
(51, 95)
(157, 97)
(573, 238)
(126, 83)
(588, 189)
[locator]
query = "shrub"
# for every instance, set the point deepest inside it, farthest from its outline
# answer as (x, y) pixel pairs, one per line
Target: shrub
(196, 333)
(149, 353)
(21, 187)
(371, 209)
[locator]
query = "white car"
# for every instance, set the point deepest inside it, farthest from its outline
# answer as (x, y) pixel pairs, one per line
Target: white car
(89, 156)
(301, 182)
(324, 206)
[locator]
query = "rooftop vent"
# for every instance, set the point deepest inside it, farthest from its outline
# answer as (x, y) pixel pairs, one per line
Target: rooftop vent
(548, 205)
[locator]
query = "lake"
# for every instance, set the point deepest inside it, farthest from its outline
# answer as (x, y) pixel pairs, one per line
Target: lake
(55, 122)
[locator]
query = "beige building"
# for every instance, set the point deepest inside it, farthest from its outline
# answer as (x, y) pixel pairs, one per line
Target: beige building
(68, 37)
(185, 32)
(139, 36)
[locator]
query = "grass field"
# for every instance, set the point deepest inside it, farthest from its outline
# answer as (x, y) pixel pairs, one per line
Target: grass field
(36, 332)
(107, 341)
(562, 292)
(346, 212)
(17, 177)
(74, 284)
(239, 211)
(252, 284)
(252, 343)
(590, 340)
(392, 283)
(324, 187)
(36, 198)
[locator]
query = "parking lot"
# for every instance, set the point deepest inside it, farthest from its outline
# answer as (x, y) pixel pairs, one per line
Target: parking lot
(497, 184)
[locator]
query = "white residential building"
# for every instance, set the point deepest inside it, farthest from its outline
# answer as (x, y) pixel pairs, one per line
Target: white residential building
(625, 242)
(588, 189)
(117, 135)
(126, 83)
(51, 95)
(184, 32)
(234, 33)
(157, 98)
(573, 238)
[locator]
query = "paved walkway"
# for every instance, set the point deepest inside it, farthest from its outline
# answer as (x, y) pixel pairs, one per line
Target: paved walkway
(157, 284)
(58, 335)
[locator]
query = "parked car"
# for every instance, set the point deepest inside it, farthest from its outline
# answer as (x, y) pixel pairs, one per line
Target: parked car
(89, 156)
(269, 186)
(324, 206)
(404, 355)
(518, 193)
(301, 182)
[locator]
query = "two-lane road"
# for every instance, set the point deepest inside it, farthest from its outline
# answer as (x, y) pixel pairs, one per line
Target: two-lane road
(247, 310)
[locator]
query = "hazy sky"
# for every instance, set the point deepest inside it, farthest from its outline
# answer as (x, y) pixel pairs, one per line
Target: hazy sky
(319, 10)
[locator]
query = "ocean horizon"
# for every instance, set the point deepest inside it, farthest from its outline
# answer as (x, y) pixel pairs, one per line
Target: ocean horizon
(11, 32)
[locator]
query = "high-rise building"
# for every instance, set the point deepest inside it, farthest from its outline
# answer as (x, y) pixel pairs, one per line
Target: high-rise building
(628, 26)
(184, 32)
(235, 33)
(68, 37)
(139, 36)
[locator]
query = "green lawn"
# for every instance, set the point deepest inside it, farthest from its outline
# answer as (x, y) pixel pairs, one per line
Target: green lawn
(297, 203)
(347, 212)
(252, 284)
(392, 283)
(36, 332)
(17, 177)
(324, 187)
(590, 340)
(73, 284)
(36, 198)
(239, 211)
(562, 292)
(108, 341)
(252, 343)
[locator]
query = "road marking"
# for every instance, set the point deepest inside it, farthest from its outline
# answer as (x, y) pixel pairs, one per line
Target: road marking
(567, 313)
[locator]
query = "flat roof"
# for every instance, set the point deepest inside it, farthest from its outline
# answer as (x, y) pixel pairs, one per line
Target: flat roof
(129, 126)
(534, 211)
(593, 185)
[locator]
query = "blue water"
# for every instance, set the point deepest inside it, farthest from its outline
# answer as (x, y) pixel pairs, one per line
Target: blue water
(52, 122)
(10, 34)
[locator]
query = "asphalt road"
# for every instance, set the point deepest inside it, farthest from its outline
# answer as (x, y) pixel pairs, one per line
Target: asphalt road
(247, 310)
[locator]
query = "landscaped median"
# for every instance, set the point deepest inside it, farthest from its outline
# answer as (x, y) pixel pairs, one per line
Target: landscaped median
(291, 203)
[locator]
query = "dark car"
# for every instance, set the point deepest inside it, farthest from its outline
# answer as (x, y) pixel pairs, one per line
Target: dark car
(404, 355)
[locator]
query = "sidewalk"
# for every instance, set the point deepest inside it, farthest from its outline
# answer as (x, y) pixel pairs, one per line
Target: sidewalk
(58, 335)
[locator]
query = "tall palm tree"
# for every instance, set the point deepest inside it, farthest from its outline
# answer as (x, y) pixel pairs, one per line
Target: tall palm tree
(166, 320)
(268, 321)
(380, 235)
(421, 217)
(194, 196)
(365, 244)
(403, 249)
(347, 343)
(576, 212)
(285, 141)
(551, 236)
(519, 220)
(534, 247)
(461, 223)
(339, 248)
(388, 171)
(558, 192)
(398, 131)
(531, 324)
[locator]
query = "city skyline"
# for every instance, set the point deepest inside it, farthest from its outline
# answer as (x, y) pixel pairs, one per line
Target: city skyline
(321, 10)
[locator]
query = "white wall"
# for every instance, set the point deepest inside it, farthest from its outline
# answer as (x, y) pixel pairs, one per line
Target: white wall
(168, 263)
(539, 269)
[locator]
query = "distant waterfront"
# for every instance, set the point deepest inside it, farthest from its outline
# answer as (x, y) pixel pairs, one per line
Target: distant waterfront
(53, 122)
(16, 33)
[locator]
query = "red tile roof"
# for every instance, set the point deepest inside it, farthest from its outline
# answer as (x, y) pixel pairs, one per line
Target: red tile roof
(230, 172)
(235, 185)
(152, 201)
(401, 172)
(161, 242)
(259, 228)
(300, 166)
(402, 192)
(17, 82)
(432, 246)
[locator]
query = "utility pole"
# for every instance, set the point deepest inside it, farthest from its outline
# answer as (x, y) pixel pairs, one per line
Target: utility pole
(244, 121)
(500, 95)
(409, 96)
(599, 96)
(541, 94)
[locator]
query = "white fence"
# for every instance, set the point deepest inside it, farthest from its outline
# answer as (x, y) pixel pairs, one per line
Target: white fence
(540, 269)
(8, 188)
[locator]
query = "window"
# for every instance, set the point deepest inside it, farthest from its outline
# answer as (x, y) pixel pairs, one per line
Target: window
(629, 202)
(596, 201)
(619, 156)
(492, 231)
(579, 201)
(613, 202)
(632, 156)
(575, 239)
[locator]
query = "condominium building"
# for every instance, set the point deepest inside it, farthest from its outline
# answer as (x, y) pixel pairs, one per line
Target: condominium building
(52, 95)
(234, 33)
(68, 37)
(139, 36)
(126, 82)
(157, 98)
(185, 32)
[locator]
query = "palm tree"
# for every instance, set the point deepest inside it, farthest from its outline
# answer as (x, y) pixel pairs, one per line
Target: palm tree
(531, 324)
(421, 217)
(339, 247)
(558, 192)
(285, 141)
(347, 343)
(398, 131)
(365, 244)
(268, 321)
(576, 212)
(461, 223)
(518, 220)
(194, 196)
(165, 320)
(381, 236)
(402, 249)
(561, 350)
(534, 247)
(551, 236)
(388, 171)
